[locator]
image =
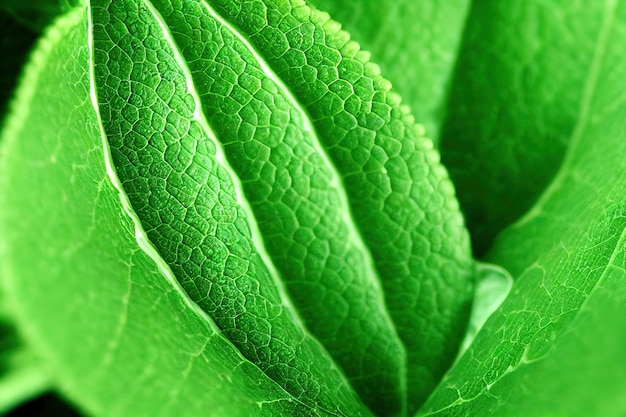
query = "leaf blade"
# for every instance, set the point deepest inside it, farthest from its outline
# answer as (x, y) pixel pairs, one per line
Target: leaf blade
(398, 191)
(562, 324)
(143, 348)
(297, 200)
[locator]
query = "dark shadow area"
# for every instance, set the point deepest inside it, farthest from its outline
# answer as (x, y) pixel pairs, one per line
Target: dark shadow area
(48, 405)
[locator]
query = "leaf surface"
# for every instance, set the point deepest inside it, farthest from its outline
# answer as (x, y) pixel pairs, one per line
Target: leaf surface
(190, 203)
(196, 212)
(556, 345)
(515, 100)
(401, 198)
(297, 198)
(299, 232)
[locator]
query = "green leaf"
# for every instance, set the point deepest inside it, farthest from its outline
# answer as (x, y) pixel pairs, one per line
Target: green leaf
(414, 42)
(295, 192)
(401, 199)
(556, 345)
(515, 99)
(221, 208)
(96, 300)
(221, 179)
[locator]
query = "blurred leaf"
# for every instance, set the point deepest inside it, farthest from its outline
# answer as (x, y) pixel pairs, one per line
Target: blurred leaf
(516, 96)
(557, 345)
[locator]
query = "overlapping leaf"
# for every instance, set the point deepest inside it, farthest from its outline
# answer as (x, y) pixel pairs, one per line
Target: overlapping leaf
(514, 102)
(556, 345)
(400, 197)
(186, 198)
(253, 146)
(296, 194)
(105, 310)
(415, 43)
(241, 191)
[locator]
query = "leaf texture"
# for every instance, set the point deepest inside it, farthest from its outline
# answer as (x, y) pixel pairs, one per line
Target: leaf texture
(299, 204)
(284, 220)
(184, 194)
(401, 198)
(427, 289)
